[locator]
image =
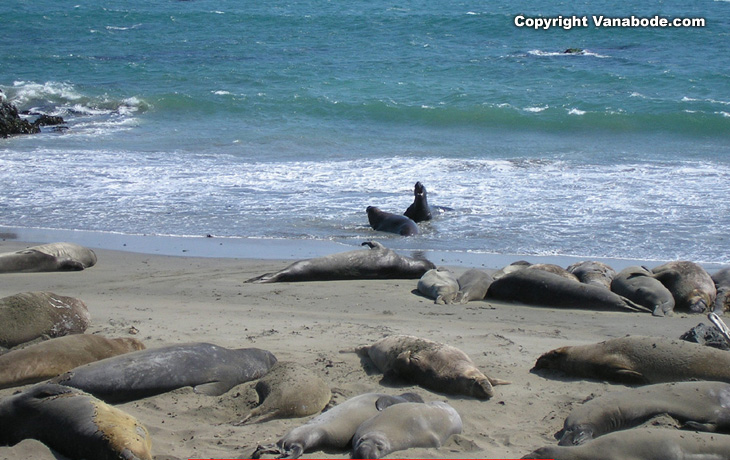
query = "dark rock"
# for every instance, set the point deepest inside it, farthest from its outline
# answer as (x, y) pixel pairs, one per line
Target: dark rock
(706, 335)
(11, 123)
(48, 120)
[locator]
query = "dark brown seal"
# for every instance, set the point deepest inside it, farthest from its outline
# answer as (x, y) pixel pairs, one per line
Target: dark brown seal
(689, 283)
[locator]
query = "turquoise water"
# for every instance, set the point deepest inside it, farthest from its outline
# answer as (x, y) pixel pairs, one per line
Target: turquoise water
(287, 119)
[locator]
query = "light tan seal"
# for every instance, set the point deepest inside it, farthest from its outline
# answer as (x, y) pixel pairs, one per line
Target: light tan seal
(405, 426)
(640, 360)
(439, 284)
(334, 428)
(48, 258)
(473, 285)
(47, 359)
(432, 365)
(703, 406)
(593, 272)
(555, 269)
(689, 283)
(73, 423)
(288, 390)
(30, 315)
(643, 444)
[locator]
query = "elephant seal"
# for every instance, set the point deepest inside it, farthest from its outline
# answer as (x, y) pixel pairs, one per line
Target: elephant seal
(593, 272)
(73, 423)
(383, 221)
(439, 284)
(513, 267)
(639, 285)
(640, 360)
(473, 285)
(49, 358)
(209, 369)
(419, 210)
(48, 258)
(722, 285)
(643, 444)
(702, 406)
(288, 390)
(556, 269)
(689, 283)
(335, 428)
(432, 365)
(29, 315)
(378, 262)
(404, 426)
(542, 288)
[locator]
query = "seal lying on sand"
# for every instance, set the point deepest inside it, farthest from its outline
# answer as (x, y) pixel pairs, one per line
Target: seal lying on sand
(556, 269)
(404, 426)
(639, 285)
(392, 223)
(593, 272)
(699, 405)
(47, 359)
(378, 262)
(73, 423)
(439, 284)
(539, 287)
(335, 428)
(643, 444)
(48, 258)
(209, 369)
(722, 284)
(288, 390)
(691, 286)
(640, 360)
(432, 365)
(473, 285)
(27, 316)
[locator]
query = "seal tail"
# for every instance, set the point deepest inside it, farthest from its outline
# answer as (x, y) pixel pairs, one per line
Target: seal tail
(265, 278)
(360, 351)
(495, 381)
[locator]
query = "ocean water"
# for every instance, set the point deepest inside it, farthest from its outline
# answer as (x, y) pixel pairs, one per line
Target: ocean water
(285, 119)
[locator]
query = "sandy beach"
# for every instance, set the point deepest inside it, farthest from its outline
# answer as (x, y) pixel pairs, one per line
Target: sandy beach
(176, 299)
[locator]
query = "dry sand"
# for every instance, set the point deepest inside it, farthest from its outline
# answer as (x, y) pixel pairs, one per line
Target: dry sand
(167, 300)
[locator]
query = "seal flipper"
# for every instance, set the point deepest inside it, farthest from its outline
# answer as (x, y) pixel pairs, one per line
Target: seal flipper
(216, 388)
(387, 401)
(265, 449)
(697, 426)
(628, 376)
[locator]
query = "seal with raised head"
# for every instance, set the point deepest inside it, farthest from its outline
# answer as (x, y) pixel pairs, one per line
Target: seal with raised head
(73, 423)
(48, 258)
(640, 360)
(643, 444)
(334, 428)
(593, 272)
(49, 358)
(405, 426)
(30, 315)
(639, 285)
(383, 221)
(432, 365)
(419, 210)
(701, 406)
(689, 283)
(208, 368)
(722, 284)
(378, 262)
(439, 284)
(473, 285)
(542, 288)
(288, 390)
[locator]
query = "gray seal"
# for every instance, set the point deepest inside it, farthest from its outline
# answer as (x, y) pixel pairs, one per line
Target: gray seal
(702, 406)
(73, 423)
(377, 262)
(542, 288)
(722, 284)
(48, 258)
(643, 444)
(689, 283)
(556, 269)
(639, 285)
(383, 221)
(47, 359)
(593, 272)
(432, 365)
(30, 315)
(335, 428)
(419, 210)
(439, 284)
(405, 426)
(640, 360)
(473, 285)
(209, 369)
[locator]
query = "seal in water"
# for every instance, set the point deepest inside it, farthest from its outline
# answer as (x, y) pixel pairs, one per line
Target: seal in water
(432, 365)
(335, 428)
(378, 262)
(639, 285)
(209, 369)
(49, 358)
(383, 221)
(419, 210)
(701, 406)
(73, 423)
(640, 360)
(439, 284)
(48, 258)
(689, 283)
(405, 426)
